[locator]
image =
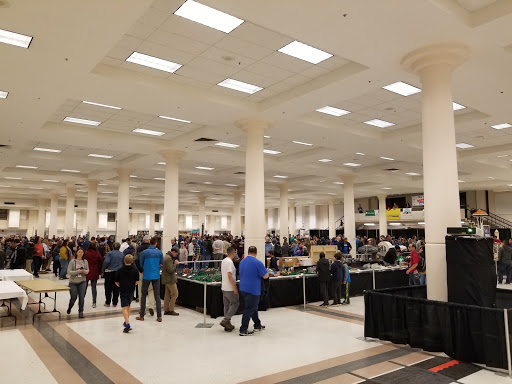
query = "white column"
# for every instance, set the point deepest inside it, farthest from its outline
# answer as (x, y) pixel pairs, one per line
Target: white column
(54, 204)
(292, 220)
(312, 217)
(283, 211)
(349, 216)
(151, 219)
(70, 212)
(236, 219)
(435, 65)
(254, 185)
(202, 213)
(383, 221)
(171, 197)
(92, 207)
(332, 220)
(123, 203)
(41, 217)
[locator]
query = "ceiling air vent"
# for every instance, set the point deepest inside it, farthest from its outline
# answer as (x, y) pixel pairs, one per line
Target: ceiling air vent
(191, 182)
(215, 210)
(9, 203)
(205, 139)
(239, 173)
(392, 169)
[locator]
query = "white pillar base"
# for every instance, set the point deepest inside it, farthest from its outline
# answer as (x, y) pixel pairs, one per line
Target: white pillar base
(436, 266)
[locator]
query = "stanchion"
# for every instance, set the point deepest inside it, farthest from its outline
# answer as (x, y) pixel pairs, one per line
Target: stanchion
(304, 289)
(373, 274)
(204, 324)
(507, 339)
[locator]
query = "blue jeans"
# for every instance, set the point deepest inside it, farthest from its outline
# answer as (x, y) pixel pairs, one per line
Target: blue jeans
(250, 311)
(77, 290)
(93, 288)
(63, 267)
(504, 269)
(413, 281)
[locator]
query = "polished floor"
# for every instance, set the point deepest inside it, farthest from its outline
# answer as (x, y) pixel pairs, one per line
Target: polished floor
(311, 345)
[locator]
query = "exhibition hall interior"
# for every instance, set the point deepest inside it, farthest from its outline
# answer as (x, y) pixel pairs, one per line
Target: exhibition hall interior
(330, 178)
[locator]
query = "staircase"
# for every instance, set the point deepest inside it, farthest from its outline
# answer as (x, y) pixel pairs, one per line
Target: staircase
(339, 223)
(495, 221)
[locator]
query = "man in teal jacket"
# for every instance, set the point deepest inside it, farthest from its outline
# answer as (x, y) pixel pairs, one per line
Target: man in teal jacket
(151, 260)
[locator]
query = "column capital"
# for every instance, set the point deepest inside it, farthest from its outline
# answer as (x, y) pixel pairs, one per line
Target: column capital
(445, 54)
(92, 182)
(250, 124)
(291, 204)
(124, 171)
(70, 188)
(348, 178)
(172, 154)
(382, 196)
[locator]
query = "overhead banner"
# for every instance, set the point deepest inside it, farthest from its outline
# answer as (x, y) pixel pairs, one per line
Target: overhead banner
(406, 213)
(393, 214)
(418, 200)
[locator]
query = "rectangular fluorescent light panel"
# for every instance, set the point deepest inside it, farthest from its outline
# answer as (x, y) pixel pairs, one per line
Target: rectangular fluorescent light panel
(281, 176)
(325, 160)
(386, 158)
(81, 121)
(333, 111)
(106, 192)
(153, 62)
(464, 145)
(360, 154)
(70, 170)
(175, 119)
(271, 152)
(305, 52)
(148, 132)
(302, 143)
(100, 105)
(47, 150)
(379, 123)
(402, 88)
(240, 86)
(413, 174)
(352, 164)
(230, 185)
(369, 224)
(35, 188)
(3, 94)
(210, 17)
(194, 191)
(501, 126)
(133, 176)
(13, 178)
(338, 182)
(26, 166)
(162, 163)
(227, 145)
(266, 137)
(51, 181)
(206, 168)
(456, 106)
(461, 181)
(100, 156)
(159, 178)
(386, 188)
(15, 39)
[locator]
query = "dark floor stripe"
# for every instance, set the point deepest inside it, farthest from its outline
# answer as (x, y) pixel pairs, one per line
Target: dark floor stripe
(348, 367)
(343, 315)
(85, 369)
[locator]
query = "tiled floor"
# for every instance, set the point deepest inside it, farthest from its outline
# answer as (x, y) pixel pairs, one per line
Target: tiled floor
(316, 345)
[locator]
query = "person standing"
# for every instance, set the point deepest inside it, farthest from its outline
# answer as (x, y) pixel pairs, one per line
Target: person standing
(252, 271)
(64, 258)
(414, 275)
(337, 272)
(218, 249)
(229, 289)
(38, 255)
(113, 262)
(150, 301)
(126, 243)
(77, 269)
(170, 281)
(322, 270)
(151, 260)
(95, 262)
(346, 282)
(126, 279)
(505, 261)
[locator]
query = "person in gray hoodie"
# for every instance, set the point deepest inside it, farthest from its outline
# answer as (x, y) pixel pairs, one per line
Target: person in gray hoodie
(77, 269)
(113, 262)
(505, 261)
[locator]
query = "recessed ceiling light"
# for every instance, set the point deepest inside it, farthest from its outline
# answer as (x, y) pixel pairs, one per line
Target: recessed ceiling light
(175, 119)
(302, 143)
(133, 176)
(35, 188)
(26, 166)
(148, 132)
(158, 178)
(501, 126)
(227, 145)
(402, 88)
(3, 94)
(281, 176)
(5, 186)
(210, 17)
(464, 145)
(331, 193)
(47, 150)
(13, 178)
(51, 181)
(100, 105)
(461, 181)
(102, 185)
(395, 223)
(15, 39)
(266, 137)
(386, 158)
(231, 185)
(509, 185)
(379, 123)
(305, 52)
(70, 170)
(132, 186)
(338, 182)
(325, 160)
(333, 111)
(161, 163)
(502, 156)
(352, 164)
(81, 121)
(240, 86)
(369, 224)
(81, 190)
(421, 223)
(456, 106)
(101, 156)
(195, 191)
(360, 154)
(208, 182)
(153, 62)
(106, 192)
(387, 188)
(413, 174)
(206, 168)
(271, 152)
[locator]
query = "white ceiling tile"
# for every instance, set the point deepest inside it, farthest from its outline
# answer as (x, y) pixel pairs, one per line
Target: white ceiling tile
(142, 31)
(200, 74)
(119, 53)
(315, 71)
(111, 61)
(297, 79)
(349, 106)
(384, 95)
(390, 108)
(154, 17)
(289, 63)
(264, 69)
(254, 79)
(227, 58)
(261, 36)
(334, 62)
(188, 81)
(366, 101)
(407, 102)
(129, 42)
(146, 70)
(179, 42)
(166, 53)
(243, 47)
(166, 5)
(192, 30)
(212, 66)
(255, 98)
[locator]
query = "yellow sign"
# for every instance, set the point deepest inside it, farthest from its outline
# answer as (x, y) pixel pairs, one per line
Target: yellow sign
(393, 214)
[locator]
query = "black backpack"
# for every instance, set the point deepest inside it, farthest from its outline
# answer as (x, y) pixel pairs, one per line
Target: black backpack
(278, 250)
(422, 265)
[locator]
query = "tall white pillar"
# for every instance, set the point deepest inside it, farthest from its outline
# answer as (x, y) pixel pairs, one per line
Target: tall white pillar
(123, 203)
(202, 213)
(236, 219)
(254, 185)
(92, 207)
(41, 217)
(383, 221)
(151, 219)
(70, 212)
(332, 220)
(312, 217)
(171, 197)
(349, 215)
(292, 219)
(283, 211)
(435, 65)
(54, 206)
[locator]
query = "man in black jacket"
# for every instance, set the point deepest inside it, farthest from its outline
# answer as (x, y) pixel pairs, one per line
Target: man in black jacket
(322, 270)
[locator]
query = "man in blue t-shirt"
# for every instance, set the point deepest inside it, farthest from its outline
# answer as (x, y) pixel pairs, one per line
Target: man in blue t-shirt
(251, 272)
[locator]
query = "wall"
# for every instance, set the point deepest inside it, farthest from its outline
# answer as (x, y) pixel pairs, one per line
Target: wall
(503, 204)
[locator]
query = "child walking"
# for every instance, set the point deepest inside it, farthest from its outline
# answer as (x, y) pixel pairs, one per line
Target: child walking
(127, 277)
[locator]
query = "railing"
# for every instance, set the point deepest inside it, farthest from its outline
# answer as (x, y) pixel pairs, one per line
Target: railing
(339, 222)
(495, 221)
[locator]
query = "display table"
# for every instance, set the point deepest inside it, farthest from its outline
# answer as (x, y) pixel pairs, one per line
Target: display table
(10, 290)
(43, 286)
(15, 275)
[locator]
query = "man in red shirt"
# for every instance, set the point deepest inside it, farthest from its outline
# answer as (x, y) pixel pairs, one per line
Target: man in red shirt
(413, 264)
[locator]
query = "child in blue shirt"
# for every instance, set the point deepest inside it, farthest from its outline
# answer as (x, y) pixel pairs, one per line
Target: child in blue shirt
(346, 283)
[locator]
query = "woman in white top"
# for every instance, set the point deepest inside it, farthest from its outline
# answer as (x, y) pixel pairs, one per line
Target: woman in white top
(77, 269)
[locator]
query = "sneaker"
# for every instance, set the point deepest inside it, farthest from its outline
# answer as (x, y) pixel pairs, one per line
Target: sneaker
(69, 310)
(107, 305)
(140, 318)
(124, 324)
(324, 305)
(345, 303)
(127, 328)
(94, 305)
(226, 324)
(173, 313)
(260, 328)
(159, 319)
(114, 305)
(81, 315)
(335, 304)
(151, 312)
(246, 333)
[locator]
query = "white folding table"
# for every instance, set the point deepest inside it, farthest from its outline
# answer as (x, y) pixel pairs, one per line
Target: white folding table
(10, 290)
(15, 275)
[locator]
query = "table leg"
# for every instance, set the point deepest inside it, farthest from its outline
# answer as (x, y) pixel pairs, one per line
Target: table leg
(9, 311)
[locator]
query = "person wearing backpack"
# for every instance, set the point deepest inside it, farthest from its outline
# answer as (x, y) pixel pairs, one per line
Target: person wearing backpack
(412, 271)
(422, 266)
